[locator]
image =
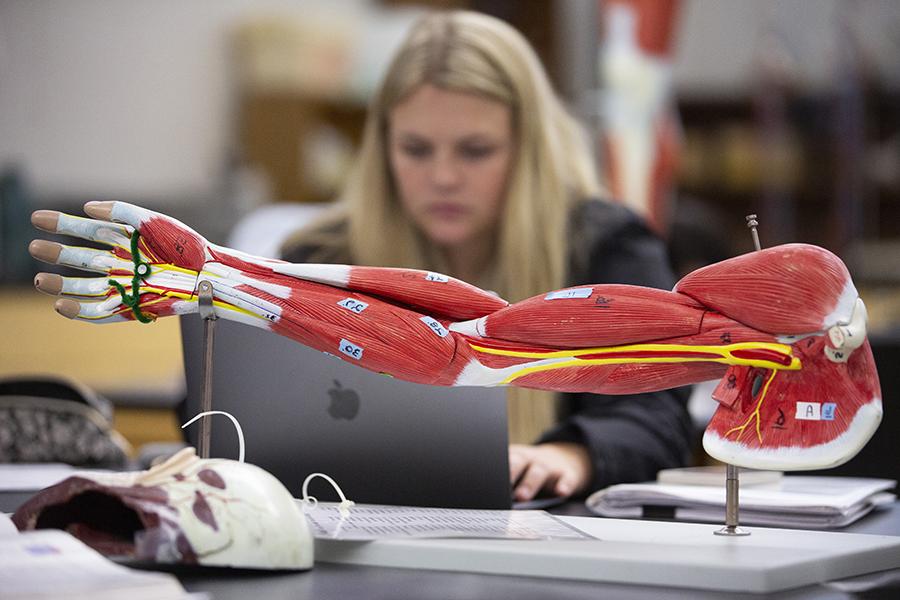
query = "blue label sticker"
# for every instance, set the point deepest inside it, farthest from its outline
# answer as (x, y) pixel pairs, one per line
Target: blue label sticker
(828, 410)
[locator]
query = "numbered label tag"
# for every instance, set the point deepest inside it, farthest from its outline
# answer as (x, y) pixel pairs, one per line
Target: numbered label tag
(810, 411)
(435, 326)
(351, 349)
(437, 277)
(828, 410)
(353, 305)
(574, 293)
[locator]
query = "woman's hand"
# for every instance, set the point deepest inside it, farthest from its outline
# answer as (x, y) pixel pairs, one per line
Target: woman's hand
(561, 468)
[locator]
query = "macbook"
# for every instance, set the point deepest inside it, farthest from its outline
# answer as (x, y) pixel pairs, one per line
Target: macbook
(383, 440)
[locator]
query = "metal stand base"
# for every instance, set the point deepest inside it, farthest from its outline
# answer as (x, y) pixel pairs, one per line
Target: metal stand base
(731, 531)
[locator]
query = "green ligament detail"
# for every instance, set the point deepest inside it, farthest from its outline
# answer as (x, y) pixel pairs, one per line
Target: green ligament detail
(141, 270)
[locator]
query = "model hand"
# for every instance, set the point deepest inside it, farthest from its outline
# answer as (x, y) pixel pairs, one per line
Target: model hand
(148, 274)
(561, 468)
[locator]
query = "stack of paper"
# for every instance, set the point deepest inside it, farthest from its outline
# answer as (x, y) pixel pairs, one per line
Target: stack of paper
(793, 501)
(50, 563)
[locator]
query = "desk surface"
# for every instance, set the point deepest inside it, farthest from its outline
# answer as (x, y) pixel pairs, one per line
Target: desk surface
(350, 581)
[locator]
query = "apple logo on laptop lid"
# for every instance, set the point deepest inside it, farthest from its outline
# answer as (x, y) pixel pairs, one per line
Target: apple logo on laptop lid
(344, 402)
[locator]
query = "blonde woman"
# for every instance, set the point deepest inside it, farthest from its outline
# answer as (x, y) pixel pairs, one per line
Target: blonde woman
(471, 166)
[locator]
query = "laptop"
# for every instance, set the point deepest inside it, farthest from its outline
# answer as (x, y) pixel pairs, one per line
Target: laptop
(385, 441)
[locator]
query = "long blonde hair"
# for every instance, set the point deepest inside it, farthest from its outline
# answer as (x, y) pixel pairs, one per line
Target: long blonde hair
(473, 53)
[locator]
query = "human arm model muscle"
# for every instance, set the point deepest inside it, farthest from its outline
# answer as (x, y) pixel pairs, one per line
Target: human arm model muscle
(783, 328)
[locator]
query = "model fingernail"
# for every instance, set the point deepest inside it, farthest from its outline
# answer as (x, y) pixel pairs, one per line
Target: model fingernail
(99, 210)
(44, 251)
(45, 220)
(67, 308)
(48, 283)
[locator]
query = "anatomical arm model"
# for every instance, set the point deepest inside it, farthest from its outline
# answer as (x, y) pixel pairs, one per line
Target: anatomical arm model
(783, 328)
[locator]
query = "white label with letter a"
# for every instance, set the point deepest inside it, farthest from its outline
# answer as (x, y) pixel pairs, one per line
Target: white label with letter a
(809, 411)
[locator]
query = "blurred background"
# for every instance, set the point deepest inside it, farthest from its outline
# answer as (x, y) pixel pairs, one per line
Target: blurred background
(214, 111)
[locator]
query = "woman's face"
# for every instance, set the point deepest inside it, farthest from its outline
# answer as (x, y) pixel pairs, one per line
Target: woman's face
(450, 154)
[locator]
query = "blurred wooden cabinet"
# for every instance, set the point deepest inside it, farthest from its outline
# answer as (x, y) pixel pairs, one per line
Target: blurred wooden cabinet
(302, 145)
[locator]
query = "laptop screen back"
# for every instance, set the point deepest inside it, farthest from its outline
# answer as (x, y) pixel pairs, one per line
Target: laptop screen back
(384, 441)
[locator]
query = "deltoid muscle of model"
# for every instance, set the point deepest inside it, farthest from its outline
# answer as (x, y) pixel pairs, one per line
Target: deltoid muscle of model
(782, 328)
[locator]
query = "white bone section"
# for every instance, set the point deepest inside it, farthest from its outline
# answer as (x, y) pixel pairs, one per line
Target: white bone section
(824, 456)
(848, 337)
(263, 309)
(88, 259)
(844, 307)
(475, 373)
(89, 286)
(790, 339)
(102, 312)
(238, 277)
(99, 319)
(472, 327)
(185, 307)
(98, 231)
(337, 275)
(123, 212)
(170, 279)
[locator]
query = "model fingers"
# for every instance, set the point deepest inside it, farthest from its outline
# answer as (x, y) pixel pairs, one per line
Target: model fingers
(88, 259)
(78, 287)
(114, 234)
(119, 212)
(107, 311)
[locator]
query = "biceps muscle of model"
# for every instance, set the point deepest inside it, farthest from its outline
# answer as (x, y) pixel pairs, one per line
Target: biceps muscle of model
(783, 328)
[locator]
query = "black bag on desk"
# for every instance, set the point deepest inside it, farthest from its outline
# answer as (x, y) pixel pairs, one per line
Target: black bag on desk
(54, 420)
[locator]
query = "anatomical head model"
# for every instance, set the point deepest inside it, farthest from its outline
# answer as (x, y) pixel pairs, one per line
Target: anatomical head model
(186, 510)
(782, 328)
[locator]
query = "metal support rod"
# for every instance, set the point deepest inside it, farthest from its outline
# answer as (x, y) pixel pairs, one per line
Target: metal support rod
(732, 481)
(205, 303)
(752, 223)
(731, 504)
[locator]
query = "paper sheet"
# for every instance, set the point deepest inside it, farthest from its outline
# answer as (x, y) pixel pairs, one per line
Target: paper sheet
(52, 564)
(364, 522)
(795, 501)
